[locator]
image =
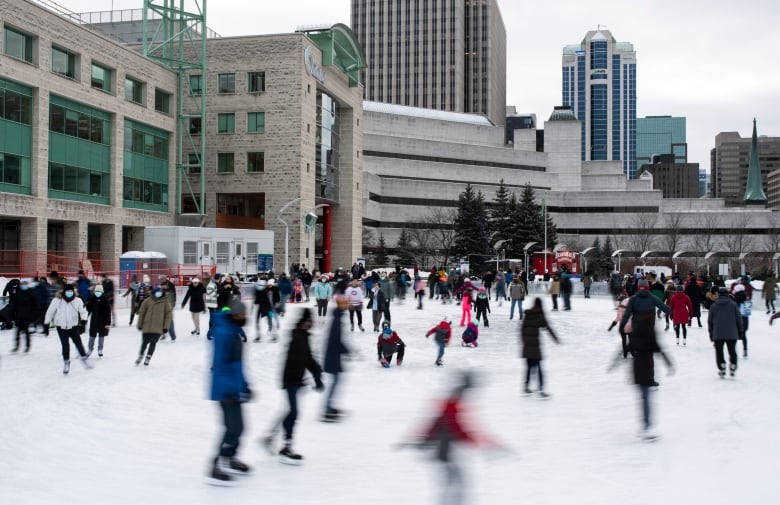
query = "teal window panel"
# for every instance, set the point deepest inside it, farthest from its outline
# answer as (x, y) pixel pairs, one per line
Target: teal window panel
(15, 138)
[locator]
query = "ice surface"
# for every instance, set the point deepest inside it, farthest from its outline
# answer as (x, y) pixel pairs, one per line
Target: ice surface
(121, 434)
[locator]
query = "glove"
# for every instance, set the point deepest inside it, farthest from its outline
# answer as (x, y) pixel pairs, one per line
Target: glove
(398, 362)
(384, 363)
(246, 396)
(318, 385)
(46, 329)
(82, 327)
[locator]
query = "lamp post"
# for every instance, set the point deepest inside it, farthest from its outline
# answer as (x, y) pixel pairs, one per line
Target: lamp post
(544, 216)
(286, 233)
(528, 246)
(310, 226)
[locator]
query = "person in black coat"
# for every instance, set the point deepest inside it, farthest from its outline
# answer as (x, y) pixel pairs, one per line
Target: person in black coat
(533, 321)
(299, 359)
(693, 290)
(226, 292)
(265, 299)
(377, 302)
(99, 309)
(643, 344)
(25, 307)
(196, 295)
(334, 349)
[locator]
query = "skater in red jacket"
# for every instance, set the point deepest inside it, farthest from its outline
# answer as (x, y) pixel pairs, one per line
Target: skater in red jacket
(442, 333)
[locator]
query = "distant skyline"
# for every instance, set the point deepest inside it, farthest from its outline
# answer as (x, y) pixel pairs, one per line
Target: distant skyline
(714, 62)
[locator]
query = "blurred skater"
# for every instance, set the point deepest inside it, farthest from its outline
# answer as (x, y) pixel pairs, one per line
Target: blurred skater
(334, 349)
(470, 335)
(25, 310)
(442, 333)
(229, 387)
(534, 321)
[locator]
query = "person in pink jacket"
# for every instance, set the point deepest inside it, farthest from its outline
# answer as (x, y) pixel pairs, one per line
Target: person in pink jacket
(682, 311)
(466, 300)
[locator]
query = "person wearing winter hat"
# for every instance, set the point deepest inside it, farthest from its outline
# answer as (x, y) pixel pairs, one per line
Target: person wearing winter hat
(482, 306)
(745, 306)
(442, 333)
(229, 387)
(724, 324)
(154, 319)
(387, 344)
(99, 309)
(682, 312)
(68, 314)
(196, 295)
(25, 310)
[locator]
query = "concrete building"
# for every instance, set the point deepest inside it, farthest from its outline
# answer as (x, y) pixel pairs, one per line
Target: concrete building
(660, 135)
(675, 180)
(444, 55)
(88, 153)
(729, 162)
(773, 189)
(599, 83)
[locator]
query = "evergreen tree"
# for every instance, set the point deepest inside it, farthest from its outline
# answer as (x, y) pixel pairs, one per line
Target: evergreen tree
(607, 265)
(519, 228)
(403, 250)
(471, 225)
(596, 264)
(500, 217)
(381, 252)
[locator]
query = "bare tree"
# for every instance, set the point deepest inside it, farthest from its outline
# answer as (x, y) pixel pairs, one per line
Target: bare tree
(421, 241)
(738, 241)
(704, 240)
(672, 235)
(772, 238)
(440, 223)
(643, 229)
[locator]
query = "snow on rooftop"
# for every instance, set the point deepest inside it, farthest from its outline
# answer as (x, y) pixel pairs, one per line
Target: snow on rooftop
(418, 112)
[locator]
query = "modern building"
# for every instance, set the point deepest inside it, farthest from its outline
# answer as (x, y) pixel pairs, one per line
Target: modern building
(658, 135)
(88, 156)
(599, 83)
(675, 180)
(730, 160)
(437, 54)
(517, 121)
(773, 189)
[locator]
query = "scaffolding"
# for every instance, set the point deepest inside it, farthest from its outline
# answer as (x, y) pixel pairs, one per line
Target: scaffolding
(175, 40)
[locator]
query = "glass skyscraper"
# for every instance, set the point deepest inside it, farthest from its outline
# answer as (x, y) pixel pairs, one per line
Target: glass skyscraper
(660, 135)
(599, 83)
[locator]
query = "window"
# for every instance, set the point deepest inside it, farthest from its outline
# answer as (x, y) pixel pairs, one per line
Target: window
(101, 78)
(256, 82)
(193, 163)
(255, 122)
(10, 169)
(18, 45)
(78, 180)
(63, 62)
(162, 101)
(146, 143)
(137, 190)
(225, 163)
(196, 84)
(134, 90)
(255, 162)
(79, 124)
(194, 125)
(227, 83)
(226, 123)
(190, 250)
(15, 106)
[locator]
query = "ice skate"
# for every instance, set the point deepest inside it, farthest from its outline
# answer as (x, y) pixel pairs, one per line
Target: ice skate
(217, 477)
(648, 435)
(138, 360)
(732, 369)
(233, 466)
(85, 362)
(439, 363)
(288, 457)
(147, 360)
(544, 396)
(527, 392)
(66, 367)
(722, 371)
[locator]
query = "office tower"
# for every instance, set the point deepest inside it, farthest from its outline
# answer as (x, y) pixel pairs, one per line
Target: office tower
(437, 54)
(660, 135)
(599, 83)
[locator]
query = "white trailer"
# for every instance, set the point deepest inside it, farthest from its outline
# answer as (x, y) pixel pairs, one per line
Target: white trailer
(230, 250)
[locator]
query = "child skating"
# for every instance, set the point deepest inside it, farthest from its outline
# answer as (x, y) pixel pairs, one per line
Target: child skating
(442, 333)
(470, 335)
(482, 306)
(387, 344)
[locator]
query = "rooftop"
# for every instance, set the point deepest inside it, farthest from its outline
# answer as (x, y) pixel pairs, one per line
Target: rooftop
(419, 112)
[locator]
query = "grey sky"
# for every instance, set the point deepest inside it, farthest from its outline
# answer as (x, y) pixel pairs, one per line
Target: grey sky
(713, 61)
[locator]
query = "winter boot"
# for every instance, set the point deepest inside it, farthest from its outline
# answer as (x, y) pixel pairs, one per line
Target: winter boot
(218, 477)
(66, 368)
(288, 457)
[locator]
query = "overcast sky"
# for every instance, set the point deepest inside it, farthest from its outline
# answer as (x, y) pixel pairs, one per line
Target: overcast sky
(717, 62)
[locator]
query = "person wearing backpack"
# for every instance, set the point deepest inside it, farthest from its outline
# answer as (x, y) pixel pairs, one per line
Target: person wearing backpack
(442, 333)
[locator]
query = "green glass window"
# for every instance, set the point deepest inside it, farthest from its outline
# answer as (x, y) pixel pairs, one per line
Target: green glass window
(255, 122)
(18, 45)
(84, 181)
(256, 82)
(101, 78)
(225, 163)
(162, 101)
(63, 62)
(255, 162)
(227, 83)
(196, 84)
(134, 90)
(15, 107)
(226, 123)
(79, 124)
(10, 169)
(144, 192)
(146, 167)
(193, 163)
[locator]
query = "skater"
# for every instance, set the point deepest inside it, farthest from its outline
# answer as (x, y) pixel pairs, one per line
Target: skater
(442, 333)
(387, 344)
(724, 324)
(769, 292)
(470, 335)
(694, 292)
(745, 306)
(566, 289)
(500, 288)
(587, 280)
(641, 309)
(154, 319)
(624, 335)
(226, 292)
(419, 291)
(355, 295)
(322, 293)
(554, 290)
(669, 290)
(132, 290)
(212, 286)
(25, 309)
(169, 292)
(108, 294)
(377, 302)
(482, 306)
(334, 349)
(196, 295)
(265, 300)
(299, 359)
(68, 314)
(229, 387)
(99, 309)
(534, 321)
(466, 301)
(682, 312)
(517, 295)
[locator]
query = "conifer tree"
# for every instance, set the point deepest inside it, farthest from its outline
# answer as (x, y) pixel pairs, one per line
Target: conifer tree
(403, 251)
(381, 252)
(500, 218)
(471, 230)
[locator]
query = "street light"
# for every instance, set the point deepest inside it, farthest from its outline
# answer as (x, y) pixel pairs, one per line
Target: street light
(525, 253)
(286, 233)
(310, 223)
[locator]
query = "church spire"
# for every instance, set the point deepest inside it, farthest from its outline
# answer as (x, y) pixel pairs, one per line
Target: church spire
(754, 190)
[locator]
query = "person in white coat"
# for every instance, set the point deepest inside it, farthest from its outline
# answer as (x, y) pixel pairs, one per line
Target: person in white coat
(68, 313)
